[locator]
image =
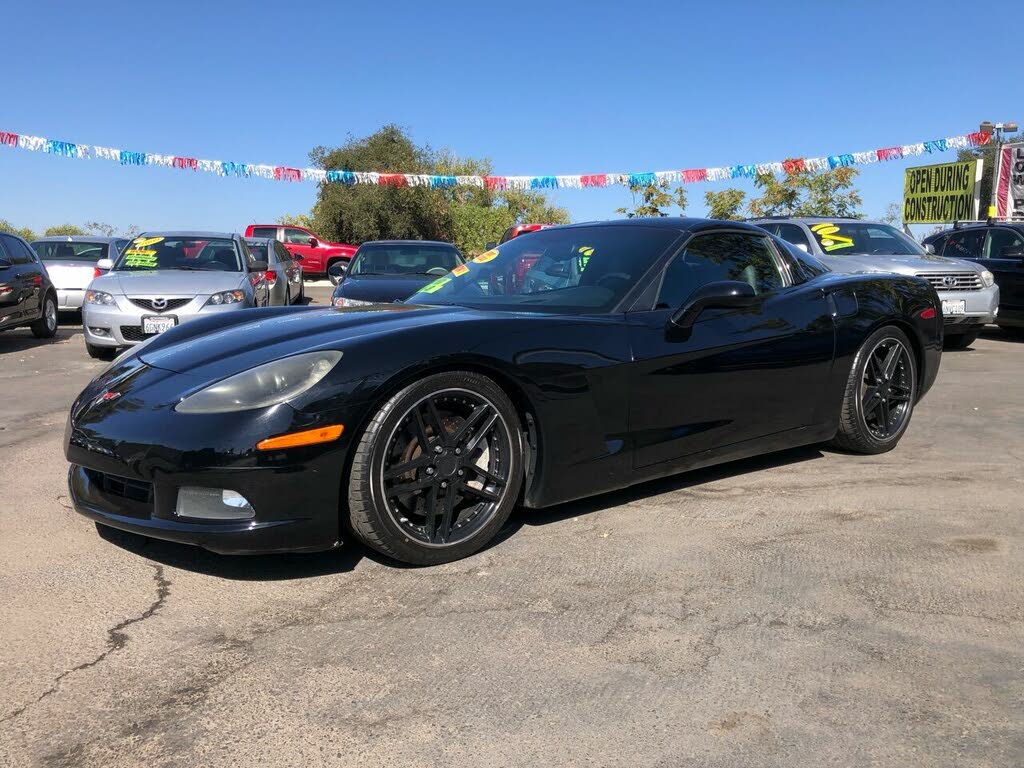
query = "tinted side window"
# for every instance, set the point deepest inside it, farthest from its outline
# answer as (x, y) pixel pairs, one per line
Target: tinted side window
(283, 256)
(965, 244)
(1000, 238)
(713, 258)
(791, 233)
(16, 250)
(270, 232)
(3, 249)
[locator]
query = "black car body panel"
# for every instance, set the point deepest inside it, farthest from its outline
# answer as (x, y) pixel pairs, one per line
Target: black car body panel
(606, 400)
(381, 288)
(24, 283)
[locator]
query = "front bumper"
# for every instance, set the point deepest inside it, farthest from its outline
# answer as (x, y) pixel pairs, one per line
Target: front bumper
(131, 455)
(981, 308)
(121, 325)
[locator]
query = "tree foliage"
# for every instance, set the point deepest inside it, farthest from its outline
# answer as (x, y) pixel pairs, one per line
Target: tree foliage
(893, 214)
(807, 193)
(726, 204)
(466, 216)
(64, 229)
(23, 232)
(653, 199)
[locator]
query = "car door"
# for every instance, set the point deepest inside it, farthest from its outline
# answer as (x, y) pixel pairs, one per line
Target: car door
(1003, 256)
(290, 267)
(25, 277)
(9, 292)
(257, 278)
(965, 244)
(297, 242)
(738, 374)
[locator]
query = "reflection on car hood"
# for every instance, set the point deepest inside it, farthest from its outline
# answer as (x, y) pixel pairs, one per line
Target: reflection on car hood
(226, 343)
(902, 265)
(382, 287)
(166, 282)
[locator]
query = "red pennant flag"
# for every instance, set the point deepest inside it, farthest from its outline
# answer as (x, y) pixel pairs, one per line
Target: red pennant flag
(890, 153)
(185, 163)
(594, 180)
(793, 165)
(10, 139)
(287, 174)
(695, 175)
(392, 180)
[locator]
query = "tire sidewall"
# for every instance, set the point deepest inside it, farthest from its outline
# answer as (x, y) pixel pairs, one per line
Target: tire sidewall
(379, 434)
(858, 371)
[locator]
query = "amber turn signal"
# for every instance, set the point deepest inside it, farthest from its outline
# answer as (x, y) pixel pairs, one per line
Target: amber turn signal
(306, 437)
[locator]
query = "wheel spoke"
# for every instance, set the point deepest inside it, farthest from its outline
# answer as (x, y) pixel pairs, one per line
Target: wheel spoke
(891, 360)
(409, 487)
(421, 430)
(483, 493)
(446, 518)
(408, 466)
(481, 434)
(430, 513)
(871, 401)
(478, 413)
(485, 475)
(438, 425)
(900, 398)
(884, 413)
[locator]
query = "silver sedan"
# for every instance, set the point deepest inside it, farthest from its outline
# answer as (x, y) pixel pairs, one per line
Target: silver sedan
(163, 279)
(71, 263)
(284, 272)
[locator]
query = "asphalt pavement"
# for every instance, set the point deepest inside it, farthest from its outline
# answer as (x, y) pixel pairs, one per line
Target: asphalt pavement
(807, 608)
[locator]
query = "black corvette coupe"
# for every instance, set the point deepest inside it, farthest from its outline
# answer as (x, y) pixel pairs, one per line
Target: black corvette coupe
(578, 360)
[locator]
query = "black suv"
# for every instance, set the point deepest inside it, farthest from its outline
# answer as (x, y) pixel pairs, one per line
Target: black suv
(27, 297)
(999, 247)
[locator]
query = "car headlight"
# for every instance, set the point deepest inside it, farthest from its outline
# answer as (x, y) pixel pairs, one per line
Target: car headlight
(99, 297)
(341, 301)
(267, 384)
(987, 278)
(225, 297)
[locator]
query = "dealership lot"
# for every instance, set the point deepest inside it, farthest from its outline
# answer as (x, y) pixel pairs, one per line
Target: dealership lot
(805, 608)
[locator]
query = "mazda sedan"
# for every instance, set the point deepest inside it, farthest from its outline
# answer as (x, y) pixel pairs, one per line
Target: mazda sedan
(578, 360)
(164, 279)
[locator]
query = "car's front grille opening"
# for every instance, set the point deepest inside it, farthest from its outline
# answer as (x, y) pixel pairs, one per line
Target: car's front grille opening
(134, 333)
(124, 487)
(159, 305)
(953, 281)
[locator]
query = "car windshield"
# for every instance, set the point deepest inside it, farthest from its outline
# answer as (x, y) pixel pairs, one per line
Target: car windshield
(404, 259)
(186, 253)
(78, 251)
(574, 270)
(848, 238)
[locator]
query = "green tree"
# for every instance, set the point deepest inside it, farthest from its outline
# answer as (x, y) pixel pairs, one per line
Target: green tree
(468, 216)
(303, 220)
(893, 214)
(64, 229)
(100, 228)
(653, 199)
(23, 232)
(807, 193)
(727, 204)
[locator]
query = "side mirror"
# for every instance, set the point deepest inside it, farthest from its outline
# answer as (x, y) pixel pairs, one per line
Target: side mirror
(105, 264)
(726, 294)
(337, 271)
(297, 257)
(313, 242)
(489, 245)
(929, 248)
(1011, 252)
(258, 266)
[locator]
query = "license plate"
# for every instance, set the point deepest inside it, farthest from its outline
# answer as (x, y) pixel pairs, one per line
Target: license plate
(155, 324)
(954, 307)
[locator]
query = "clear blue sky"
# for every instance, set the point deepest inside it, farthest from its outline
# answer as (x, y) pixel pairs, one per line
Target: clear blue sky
(540, 88)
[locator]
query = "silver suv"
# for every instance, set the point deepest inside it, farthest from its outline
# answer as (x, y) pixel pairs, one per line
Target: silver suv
(970, 297)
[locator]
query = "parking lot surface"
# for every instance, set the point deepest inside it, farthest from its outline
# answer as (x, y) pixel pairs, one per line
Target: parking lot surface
(806, 608)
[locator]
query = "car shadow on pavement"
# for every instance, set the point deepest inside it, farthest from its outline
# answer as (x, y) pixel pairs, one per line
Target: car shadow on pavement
(22, 340)
(523, 516)
(998, 334)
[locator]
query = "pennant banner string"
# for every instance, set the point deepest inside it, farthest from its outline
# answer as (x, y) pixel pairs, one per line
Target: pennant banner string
(349, 178)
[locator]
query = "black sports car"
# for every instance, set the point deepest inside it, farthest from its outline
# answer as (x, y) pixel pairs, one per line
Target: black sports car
(574, 361)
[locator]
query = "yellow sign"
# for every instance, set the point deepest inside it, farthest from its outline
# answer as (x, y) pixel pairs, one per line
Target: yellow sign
(830, 241)
(486, 256)
(933, 194)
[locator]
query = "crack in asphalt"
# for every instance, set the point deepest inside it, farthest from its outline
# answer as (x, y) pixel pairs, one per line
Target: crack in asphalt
(116, 640)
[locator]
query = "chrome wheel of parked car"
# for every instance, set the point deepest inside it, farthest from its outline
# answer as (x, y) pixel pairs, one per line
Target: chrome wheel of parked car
(437, 473)
(880, 393)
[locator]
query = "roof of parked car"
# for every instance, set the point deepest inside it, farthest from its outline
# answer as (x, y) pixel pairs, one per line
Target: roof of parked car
(78, 239)
(407, 242)
(813, 218)
(193, 233)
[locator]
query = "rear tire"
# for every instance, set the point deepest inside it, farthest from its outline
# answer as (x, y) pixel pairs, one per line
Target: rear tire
(880, 393)
(437, 471)
(46, 326)
(960, 340)
(100, 353)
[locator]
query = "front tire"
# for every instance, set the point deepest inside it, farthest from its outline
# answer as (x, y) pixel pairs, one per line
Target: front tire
(880, 392)
(46, 326)
(437, 471)
(960, 340)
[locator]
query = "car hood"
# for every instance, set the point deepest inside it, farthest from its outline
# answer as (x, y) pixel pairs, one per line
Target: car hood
(902, 265)
(382, 287)
(166, 282)
(224, 344)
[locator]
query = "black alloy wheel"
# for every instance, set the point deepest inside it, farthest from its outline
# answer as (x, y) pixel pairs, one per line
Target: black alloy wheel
(438, 471)
(880, 394)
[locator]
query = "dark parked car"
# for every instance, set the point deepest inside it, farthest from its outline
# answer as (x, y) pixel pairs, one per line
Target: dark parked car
(999, 247)
(284, 271)
(383, 271)
(27, 297)
(574, 361)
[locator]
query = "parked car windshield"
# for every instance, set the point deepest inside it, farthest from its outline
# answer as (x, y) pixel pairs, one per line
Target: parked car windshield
(573, 270)
(198, 254)
(404, 259)
(848, 238)
(78, 251)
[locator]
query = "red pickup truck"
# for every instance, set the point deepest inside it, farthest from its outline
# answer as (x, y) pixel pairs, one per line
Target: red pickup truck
(317, 255)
